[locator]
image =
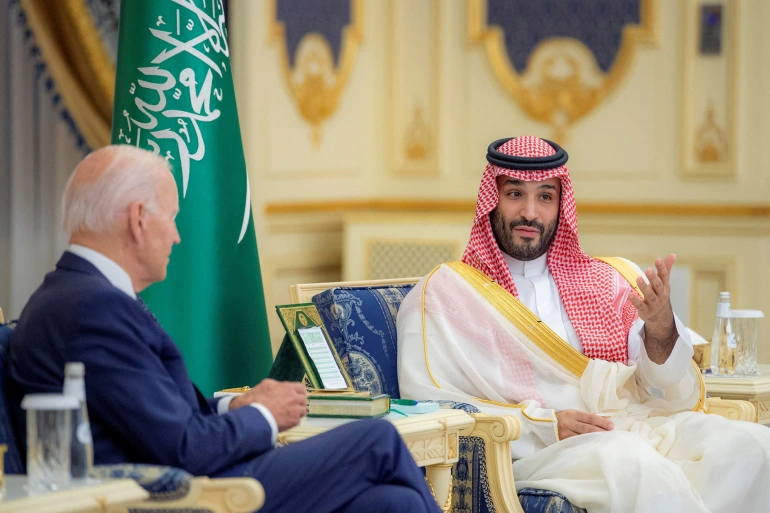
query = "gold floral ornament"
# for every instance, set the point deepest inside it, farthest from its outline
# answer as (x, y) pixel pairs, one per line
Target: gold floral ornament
(417, 145)
(315, 82)
(562, 81)
(710, 141)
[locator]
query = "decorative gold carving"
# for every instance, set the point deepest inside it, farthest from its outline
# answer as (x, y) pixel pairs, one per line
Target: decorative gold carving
(314, 82)
(710, 141)
(453, 442)
(763, 411)
(238, 499)
(562, 82)
(497, 433)
(732, 409)
(708, 145)
(417, 145)
(428, 449)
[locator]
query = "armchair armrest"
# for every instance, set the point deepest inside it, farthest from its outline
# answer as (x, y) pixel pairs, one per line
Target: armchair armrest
(220, 495)
(498, 431)
(175, 491)
(732, 409)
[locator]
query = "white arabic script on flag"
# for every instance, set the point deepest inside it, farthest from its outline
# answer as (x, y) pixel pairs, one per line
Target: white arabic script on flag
(178, 118)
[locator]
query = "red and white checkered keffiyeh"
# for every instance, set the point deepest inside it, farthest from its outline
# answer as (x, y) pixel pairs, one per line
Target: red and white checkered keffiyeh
(588, 287)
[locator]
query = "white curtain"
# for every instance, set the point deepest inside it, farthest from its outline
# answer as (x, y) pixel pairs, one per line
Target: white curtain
(38, 152)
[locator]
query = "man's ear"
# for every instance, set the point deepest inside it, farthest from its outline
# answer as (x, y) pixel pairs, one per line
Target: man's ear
(137, 219)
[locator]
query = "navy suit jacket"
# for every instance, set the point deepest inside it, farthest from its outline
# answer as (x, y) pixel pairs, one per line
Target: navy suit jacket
(142, 405)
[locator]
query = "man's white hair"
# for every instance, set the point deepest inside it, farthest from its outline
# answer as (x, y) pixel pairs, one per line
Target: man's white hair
(129, 174)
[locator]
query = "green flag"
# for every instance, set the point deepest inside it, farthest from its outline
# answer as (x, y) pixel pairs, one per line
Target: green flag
(174, 95)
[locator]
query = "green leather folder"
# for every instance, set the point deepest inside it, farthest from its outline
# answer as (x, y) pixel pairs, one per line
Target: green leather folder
(292, 363)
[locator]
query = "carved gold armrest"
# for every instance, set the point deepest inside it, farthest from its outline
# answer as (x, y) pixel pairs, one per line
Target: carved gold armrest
(498, 431)
(222, 495)
(732, 409)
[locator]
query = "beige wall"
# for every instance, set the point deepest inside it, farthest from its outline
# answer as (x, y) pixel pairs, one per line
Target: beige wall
(633, 151)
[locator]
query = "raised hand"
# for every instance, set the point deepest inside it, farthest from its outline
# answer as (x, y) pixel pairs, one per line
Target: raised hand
(576, 422)
(655, 310)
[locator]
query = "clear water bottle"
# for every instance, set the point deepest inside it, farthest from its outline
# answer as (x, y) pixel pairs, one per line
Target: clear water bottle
(723, 343)
(81, 446)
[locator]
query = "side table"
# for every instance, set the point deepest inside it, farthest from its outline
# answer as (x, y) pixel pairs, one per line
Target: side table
(432, 439)
(755, 390)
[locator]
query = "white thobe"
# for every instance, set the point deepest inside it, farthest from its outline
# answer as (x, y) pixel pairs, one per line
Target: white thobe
(661, 456)
(537, 290)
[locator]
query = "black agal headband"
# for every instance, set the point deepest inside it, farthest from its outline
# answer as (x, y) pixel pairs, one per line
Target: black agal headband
(500, 159)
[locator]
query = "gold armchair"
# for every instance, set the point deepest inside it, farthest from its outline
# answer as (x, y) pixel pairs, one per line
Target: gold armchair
(492, 434)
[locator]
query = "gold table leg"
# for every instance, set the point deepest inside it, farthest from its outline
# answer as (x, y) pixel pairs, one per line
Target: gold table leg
(439, 479)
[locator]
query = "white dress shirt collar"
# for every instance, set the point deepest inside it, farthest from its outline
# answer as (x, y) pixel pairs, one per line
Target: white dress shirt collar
(527, 269)
(115, 274)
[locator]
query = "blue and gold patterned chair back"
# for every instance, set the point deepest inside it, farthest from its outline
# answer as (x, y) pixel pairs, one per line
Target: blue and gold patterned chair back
(362, 324)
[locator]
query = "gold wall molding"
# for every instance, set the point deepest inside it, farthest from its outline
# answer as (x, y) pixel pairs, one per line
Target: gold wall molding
(418, 141)
(314, 82)
(710, 142)
(543, 91)
(709, 124)
(415, 86)
(469, 206)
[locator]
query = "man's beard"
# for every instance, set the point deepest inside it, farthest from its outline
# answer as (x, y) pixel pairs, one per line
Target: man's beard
(528, 250)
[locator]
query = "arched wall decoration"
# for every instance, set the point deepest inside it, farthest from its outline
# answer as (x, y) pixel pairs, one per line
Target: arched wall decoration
(318, 42)
(560, 59)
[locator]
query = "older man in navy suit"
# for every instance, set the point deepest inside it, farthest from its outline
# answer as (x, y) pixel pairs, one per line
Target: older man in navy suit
(119, 209)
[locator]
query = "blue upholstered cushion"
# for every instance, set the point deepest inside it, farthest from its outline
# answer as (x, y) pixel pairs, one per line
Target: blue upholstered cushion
(14, 464)
(162, 483)
(545, 501)
(362, 324)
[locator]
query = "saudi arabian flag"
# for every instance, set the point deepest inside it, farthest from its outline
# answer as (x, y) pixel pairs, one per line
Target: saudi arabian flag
(174, 96)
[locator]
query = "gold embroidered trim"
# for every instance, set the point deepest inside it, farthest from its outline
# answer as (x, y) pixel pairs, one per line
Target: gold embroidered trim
(517, 406)
(628, 272)
(427, 364)
(523, 318)
(424, 331)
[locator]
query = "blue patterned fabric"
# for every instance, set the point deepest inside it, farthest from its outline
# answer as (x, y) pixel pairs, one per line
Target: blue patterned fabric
(162, 483)
(453, 405)
(14, 464)
(598, 24)
(470, 485)
(362, 324)
(545, 501)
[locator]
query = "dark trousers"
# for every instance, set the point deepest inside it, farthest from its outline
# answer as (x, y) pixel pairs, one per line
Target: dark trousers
(359, 467)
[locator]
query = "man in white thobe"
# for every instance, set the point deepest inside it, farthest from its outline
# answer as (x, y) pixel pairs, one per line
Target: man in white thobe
(586, 352)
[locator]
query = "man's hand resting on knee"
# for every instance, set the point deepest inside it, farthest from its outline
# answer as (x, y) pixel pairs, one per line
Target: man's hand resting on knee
(576, 422)
(286, 400)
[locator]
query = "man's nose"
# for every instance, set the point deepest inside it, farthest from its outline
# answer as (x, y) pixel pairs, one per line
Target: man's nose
(528, 210)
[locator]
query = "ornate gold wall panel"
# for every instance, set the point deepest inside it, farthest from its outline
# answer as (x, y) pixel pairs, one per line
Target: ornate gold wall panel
(562, 81)
(709, 88)
(315, 80)
(415, 41)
